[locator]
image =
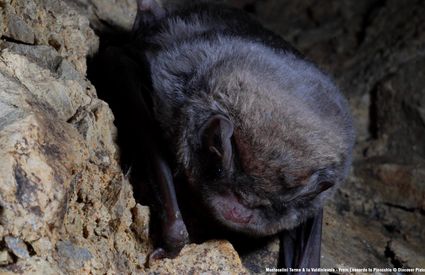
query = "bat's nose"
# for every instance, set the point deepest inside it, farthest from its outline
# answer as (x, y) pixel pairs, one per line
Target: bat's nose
(237, 215)
(232, 210)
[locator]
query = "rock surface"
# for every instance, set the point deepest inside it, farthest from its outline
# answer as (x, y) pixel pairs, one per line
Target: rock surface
(49, 22)
(266, 255)
(212, 257)
(104, 14)
(67, 208)
(65, 205)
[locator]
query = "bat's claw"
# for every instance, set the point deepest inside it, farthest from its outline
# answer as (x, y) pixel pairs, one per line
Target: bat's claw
(175, 238)
(156, 255)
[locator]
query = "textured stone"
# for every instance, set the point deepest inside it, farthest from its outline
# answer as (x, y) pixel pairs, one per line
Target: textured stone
(60, 178)
(19, 30)
(265, 255)
(350, 241)
(5, 258)
(31, 266)
(17, 246)
(72, 257)
(105, 13)
(50, 22)
(404, 254)
(141, 222)
(213, 257)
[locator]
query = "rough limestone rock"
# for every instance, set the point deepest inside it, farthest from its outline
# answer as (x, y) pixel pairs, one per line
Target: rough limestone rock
(65, 205)
(213, 257)
(104, 14)
(49, 22)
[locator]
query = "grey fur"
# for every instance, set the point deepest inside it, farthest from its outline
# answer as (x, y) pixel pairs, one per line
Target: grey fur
(292, 126)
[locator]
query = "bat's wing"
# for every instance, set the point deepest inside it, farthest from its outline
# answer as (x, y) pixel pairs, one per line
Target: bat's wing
(127, 79)
(300, 247)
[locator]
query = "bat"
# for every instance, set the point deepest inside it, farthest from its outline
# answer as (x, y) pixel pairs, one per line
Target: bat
(214, 103)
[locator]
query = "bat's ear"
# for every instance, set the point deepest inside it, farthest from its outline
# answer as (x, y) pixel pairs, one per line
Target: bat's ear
(216, 136)
(148, 11)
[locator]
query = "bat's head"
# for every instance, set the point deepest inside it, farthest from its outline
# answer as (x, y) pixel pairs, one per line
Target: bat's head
(273, 151)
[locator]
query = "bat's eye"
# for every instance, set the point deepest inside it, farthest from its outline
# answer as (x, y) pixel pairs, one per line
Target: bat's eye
(325, 185)
(213, 169)
(218, 172)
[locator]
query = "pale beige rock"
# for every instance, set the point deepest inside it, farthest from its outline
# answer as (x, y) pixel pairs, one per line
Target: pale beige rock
(213, 257)
(116, 13)
(141, 222)
(31, 266)
(35, 173)
(62, 194)
(5, 258)
(50, 22)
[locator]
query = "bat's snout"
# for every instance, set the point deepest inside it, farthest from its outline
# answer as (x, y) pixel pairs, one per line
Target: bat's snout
(230, 209)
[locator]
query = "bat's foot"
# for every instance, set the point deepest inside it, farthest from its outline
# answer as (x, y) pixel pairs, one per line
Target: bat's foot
(175, 237)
